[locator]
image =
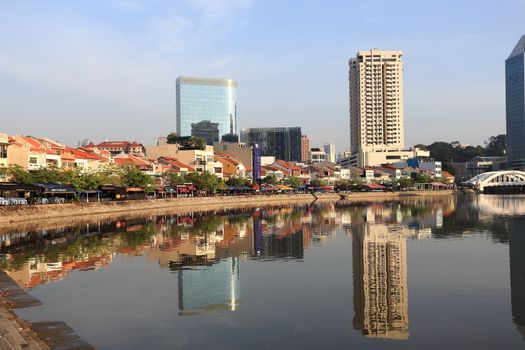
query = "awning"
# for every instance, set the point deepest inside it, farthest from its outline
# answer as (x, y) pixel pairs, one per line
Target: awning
(438, 184)
(56, 188)
(10, 186)
(375, 186)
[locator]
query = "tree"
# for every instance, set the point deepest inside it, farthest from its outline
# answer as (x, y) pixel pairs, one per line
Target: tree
(133, 176)
(235, 181)
(206, 181)
(496, 145)
(406, 182)
(318, 183)
(292, 181)
(186, 142)
(423, 178)
(173, 179)
(270, 179)
(17, 174)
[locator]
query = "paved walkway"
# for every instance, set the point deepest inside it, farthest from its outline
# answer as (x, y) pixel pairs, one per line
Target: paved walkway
(15, 333)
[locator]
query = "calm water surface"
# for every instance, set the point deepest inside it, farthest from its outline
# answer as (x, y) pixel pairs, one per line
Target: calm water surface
(438, 273)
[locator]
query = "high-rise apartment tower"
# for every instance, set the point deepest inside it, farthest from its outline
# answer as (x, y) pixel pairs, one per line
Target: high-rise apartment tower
(305, 148)
(376, 103)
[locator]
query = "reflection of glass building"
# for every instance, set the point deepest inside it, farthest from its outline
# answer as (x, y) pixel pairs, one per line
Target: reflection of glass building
(282, 143)
(380, 282)
(201, 99)
(515, 104)
(206, 130)
(517, 271)
(209, 288)
(275, 246)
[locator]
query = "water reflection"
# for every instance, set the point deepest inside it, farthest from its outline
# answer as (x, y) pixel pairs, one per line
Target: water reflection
(205, 252)
(516, 229)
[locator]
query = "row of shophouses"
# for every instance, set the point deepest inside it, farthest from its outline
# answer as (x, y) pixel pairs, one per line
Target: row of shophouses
(224, 159)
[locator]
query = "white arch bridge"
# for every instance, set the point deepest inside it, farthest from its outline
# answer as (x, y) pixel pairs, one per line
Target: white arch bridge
(496, 181)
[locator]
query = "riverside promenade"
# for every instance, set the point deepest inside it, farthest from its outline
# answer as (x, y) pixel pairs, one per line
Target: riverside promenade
(77, 212)
(15, 333)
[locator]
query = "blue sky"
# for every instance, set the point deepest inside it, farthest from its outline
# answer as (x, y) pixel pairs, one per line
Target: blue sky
(106, 69)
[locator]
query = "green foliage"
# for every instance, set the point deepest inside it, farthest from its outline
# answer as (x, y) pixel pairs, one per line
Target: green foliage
(406, 182)
(186, 142)
(269, 179)
(292, 181)
(423, 178)
(237, 182)
(318, 183)
(173, 179)
(206, 181)
(496, 145)
(454, 152)
(17, 174)
(133, 176)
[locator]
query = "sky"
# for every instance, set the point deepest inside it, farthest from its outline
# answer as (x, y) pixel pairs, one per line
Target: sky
(106, 69)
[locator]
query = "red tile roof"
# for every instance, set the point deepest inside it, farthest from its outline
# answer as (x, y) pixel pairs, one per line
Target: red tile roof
(175, 163)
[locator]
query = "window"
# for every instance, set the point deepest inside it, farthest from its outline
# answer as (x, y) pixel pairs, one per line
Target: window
(3, 151)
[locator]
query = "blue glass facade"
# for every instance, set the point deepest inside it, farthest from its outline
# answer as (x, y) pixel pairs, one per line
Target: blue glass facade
(201, 99)
(515, 106)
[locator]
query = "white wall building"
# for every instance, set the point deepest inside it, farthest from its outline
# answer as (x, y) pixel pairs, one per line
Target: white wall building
(376, 107)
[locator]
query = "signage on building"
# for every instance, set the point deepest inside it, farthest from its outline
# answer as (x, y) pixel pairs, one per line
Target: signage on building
(256, 160)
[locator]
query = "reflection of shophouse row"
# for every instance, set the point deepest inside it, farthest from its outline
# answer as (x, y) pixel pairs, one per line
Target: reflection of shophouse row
(380, 282)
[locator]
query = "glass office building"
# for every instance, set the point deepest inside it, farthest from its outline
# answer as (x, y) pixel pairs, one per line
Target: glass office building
(515, 103)
(201, 99)
(282, 143)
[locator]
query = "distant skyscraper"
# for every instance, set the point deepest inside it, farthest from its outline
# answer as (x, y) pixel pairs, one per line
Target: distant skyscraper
(376, 102)
(206, 130)
(282, 143)
(329, 151)
(515, 102)
(305, 148)
(206, 99)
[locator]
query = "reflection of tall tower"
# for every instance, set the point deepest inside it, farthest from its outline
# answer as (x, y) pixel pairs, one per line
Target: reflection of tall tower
(517, 271)
(380, 282)
(209, 288)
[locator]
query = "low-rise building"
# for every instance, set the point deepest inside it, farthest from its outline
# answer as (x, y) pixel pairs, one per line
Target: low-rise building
(478, 165)
(118, 147)
(175, 165)
(317, 155)
(428, 164)
(199, 159)
(231, 167)
(4, 145)
(377, 157)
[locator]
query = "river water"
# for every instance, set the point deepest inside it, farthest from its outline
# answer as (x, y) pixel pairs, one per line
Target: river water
(433, 273)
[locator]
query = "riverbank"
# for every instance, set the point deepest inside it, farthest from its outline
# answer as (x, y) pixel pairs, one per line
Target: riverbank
(36, 215)
(16, 333)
